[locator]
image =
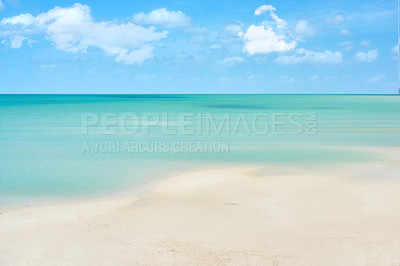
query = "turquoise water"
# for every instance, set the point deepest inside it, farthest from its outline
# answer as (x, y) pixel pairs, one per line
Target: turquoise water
(48, 143)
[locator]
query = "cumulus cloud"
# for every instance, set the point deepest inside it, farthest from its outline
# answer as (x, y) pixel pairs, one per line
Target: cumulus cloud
(376, 79)
(304, 30)
(23, 19)
(264, 8)
(262, 40)
(162, 17)
(16, 41)
(265, 38)
(367, 57)
(74, 30)
(307, 56)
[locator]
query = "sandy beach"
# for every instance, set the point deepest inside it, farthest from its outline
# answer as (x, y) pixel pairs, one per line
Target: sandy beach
(229, 216)
(199, 133)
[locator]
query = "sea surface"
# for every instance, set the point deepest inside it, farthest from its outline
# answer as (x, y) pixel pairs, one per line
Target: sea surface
(56, 147)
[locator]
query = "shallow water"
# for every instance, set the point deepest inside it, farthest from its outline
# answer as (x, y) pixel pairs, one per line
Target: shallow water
(51, 146)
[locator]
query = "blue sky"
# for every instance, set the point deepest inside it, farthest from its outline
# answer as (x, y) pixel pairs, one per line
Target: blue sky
(220, 46)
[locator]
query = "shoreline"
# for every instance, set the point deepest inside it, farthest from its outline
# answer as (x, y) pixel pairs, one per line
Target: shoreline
(138, 190)
(382, 154)
(242, 215)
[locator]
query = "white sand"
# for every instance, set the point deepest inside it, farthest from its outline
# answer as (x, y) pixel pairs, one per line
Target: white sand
(235, 216)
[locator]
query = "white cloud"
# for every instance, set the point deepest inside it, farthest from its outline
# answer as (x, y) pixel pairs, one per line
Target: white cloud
(307, 56)
(304, 30)
(162, 17)
(231, 61)
(264, 8)
(1, 5)
(264, 39)
(367, 57)
(16, 41)
(261, 40)
(314, 78)
(376, 79)
(73, 30)
(345, 32)
(24, 19)
(337, 19)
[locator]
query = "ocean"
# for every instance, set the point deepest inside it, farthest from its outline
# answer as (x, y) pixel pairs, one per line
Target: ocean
(59, 147)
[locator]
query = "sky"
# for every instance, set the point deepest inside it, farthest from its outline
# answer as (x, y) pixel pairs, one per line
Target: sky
(235, 46)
